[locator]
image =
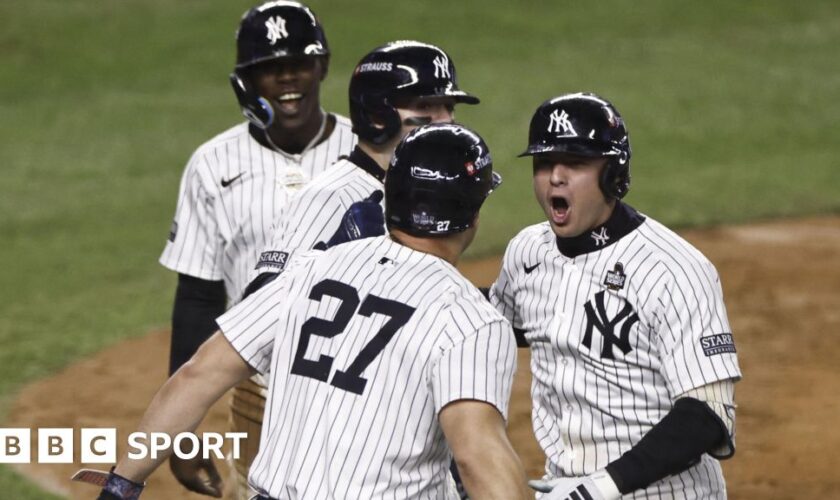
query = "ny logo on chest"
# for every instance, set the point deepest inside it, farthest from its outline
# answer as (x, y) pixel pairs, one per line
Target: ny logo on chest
(597, 318)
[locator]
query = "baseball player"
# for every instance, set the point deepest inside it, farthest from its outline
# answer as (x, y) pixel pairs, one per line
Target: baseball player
(382, 360)
(393, 89)
(234, 184)
(632, 355)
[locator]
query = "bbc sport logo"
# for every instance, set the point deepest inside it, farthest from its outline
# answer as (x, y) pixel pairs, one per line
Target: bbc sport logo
(99, 445)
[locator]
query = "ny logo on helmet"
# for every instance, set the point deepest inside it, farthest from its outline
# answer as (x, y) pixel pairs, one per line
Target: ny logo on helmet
(441, 67)
(560, 120)
(276, 29)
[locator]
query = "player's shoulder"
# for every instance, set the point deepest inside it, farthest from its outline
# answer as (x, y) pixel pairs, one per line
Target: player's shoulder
(536, 232)
(342, 177)
(210, 155)
(342, 122)
(342, 135)
(460, 298)
(436, 285)
(342, 169)
(665, 246)
(224, 139)
(530, 238)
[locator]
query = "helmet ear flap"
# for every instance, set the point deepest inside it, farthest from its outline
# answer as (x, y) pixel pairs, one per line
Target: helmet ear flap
(371, 109)
(615, 177)
(255, 108)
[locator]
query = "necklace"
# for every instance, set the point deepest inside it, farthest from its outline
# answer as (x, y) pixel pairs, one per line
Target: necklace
(311, 143)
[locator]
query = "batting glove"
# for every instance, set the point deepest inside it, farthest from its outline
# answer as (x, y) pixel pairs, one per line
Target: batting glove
(120, 488)
(363, 219)
(596, 486)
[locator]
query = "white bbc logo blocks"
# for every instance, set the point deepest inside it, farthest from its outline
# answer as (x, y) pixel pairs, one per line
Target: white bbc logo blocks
(14, 446)
(55, 446)
(99, 446)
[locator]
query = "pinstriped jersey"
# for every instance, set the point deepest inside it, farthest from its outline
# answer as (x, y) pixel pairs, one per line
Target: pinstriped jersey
(363, 345)
(617, 332)
(231, 190)
(314, 214)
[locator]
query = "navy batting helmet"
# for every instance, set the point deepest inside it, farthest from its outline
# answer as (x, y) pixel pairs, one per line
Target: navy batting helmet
(586, 125)
(273, 30)
(401, 69)
(439, 177)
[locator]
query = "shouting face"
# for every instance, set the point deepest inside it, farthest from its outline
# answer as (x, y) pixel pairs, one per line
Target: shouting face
(568, 191)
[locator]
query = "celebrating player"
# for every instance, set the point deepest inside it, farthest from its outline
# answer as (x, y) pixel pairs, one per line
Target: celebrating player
(632, 355)
(235, 183)
(393, 89)
(381, 358)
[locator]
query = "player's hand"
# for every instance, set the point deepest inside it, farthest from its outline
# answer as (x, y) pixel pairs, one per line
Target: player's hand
(363, 219)
(597, 486)
(117, 487)
(197, 474)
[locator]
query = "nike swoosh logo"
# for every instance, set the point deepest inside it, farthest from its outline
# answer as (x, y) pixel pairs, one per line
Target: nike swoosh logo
(228, 182)
(528, 268)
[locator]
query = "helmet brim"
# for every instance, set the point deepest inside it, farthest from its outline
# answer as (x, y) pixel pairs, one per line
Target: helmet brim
(579, 149)
(462, 97)
(281, 54)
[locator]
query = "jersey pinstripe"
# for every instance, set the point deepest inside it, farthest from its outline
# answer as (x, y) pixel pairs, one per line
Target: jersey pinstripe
(314, 214)
(616, 335)
(231, 190)
(323, 436)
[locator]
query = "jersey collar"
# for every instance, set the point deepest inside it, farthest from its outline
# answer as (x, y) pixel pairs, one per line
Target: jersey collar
(622, 221)
(366, 163)
(259, 135)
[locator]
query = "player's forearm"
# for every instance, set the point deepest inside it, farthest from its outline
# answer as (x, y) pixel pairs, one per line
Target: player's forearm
(493, 472)
(176, 408)
(673, 445)
(183, 401)
(198, 303)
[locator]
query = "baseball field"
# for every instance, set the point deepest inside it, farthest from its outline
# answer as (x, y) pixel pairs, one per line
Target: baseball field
(732, 109)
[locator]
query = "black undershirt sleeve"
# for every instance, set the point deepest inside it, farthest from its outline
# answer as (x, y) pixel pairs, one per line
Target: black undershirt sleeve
(673, 445)
(260, 281)
(198, 303)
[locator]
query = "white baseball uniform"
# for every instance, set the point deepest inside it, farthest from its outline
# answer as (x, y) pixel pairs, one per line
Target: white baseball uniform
(231, 191)
(622, 321)
(314, 213)
(363, 345)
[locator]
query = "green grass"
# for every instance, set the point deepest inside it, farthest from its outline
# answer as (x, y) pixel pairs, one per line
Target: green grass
(732, 109)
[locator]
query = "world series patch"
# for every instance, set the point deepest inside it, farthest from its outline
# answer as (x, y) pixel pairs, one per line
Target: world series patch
(720, 343)
(615, 278)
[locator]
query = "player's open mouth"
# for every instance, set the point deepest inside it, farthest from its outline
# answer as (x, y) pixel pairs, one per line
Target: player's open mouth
(289, 102)
(559, 209)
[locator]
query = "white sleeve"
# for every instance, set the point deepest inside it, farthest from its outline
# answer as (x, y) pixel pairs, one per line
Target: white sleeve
(195, 246)
(501, 293)
(695, 339)
(251, 325)
(720, 396)
(478, 366)
(312, 216)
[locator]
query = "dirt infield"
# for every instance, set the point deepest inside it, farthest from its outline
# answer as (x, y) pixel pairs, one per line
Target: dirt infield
(782, 286)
